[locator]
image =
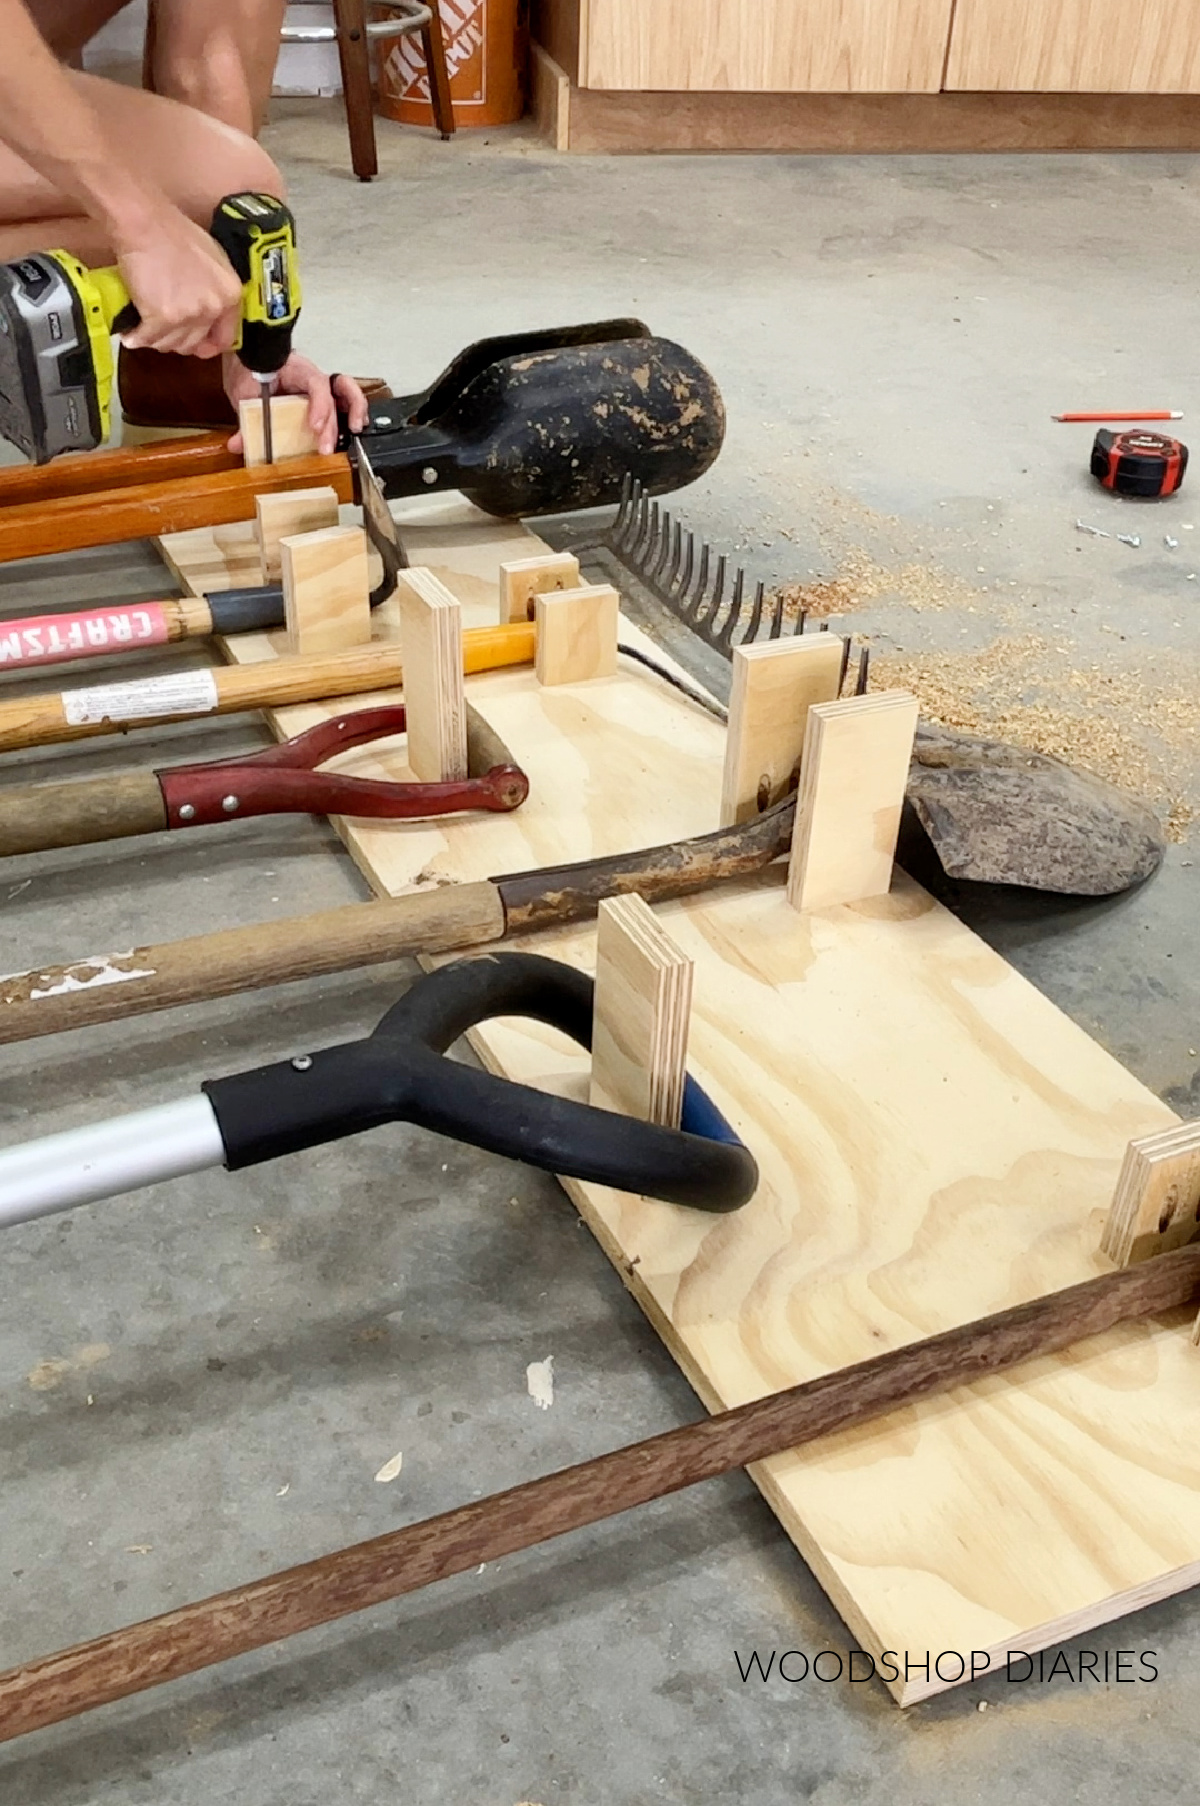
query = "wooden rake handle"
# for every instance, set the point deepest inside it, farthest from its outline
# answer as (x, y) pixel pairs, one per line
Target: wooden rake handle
(297, 1599)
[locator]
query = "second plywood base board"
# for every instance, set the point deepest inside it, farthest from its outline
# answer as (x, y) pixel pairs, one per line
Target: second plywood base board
(936, 1140)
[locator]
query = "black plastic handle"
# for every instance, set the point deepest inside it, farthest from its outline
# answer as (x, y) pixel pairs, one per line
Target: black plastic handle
(401, 1074)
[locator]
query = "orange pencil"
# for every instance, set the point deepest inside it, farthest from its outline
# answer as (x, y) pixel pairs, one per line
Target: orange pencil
(1154, 414)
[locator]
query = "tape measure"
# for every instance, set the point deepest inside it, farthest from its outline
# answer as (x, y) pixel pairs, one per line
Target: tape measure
(1145, 464)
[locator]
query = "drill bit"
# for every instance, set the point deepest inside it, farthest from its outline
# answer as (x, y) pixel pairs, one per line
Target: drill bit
(264, 390)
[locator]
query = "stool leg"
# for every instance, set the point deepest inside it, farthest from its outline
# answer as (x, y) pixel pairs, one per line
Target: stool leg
(434, 41)
(354, 56)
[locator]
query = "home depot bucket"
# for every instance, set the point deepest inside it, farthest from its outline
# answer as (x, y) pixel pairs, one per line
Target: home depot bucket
(486, 48)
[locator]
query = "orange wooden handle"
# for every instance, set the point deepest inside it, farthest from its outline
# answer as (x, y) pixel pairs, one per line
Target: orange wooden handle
(89, 473)
(41, 720)
(70, 523)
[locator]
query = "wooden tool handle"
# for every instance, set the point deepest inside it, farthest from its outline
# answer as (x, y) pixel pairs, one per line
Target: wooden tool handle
(96, 473)
(110, 987)
(402, 1561)
(42, 720)
(35, 817)
(72, 522)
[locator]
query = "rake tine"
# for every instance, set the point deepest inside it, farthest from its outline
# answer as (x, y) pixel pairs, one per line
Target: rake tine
(864, 671)
(776, 627)
(718, 596)
(845, 665)
(627, 530)
(733, 618)
(663, 561)
(824, 626)
(803, 620)
(641, 550)
(751, 633)
(672, 571)
(697, 595)
(622, 520)
(689, 565)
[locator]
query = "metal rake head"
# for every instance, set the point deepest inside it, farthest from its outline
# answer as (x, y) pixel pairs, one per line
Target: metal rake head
(697, 585)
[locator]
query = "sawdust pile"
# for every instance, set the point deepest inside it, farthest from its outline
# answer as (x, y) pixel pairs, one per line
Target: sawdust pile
(1138, 732)
(860, 580)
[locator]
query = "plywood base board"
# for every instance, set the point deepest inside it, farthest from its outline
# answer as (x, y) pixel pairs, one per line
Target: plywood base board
(936, 1141)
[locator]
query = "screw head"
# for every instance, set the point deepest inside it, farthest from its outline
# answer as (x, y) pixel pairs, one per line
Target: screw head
(187, 811)
(429, 475)
(302, 1062)
(230, 804)
(382, 420)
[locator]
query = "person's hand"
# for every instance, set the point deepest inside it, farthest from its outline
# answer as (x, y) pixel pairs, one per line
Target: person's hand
(183, 286)
(300, 376)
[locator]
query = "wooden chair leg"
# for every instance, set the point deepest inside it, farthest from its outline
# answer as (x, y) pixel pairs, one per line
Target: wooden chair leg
(354, 56)
(148, 47)
(434, 41)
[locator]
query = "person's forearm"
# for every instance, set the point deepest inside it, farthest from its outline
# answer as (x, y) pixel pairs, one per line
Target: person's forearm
(46, 119)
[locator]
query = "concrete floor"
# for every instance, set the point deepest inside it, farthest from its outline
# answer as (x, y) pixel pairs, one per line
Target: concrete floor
(200, 1383)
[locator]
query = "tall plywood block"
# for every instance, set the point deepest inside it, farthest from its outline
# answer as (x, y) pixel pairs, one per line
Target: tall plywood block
(326, 594)
(280, 517)
(855, 772)
(774, 686)
(643, 1006)
(291, 435)
(434, 693)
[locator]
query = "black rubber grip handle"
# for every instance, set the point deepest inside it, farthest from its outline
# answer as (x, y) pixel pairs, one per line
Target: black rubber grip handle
(401, 1074)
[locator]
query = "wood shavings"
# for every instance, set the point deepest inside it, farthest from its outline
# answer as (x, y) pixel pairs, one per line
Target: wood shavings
(390, 1470)
(860, 579)
(1139, 732)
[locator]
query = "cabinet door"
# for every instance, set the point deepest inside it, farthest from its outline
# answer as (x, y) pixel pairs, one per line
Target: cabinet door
(783, 46)
(1077, 46)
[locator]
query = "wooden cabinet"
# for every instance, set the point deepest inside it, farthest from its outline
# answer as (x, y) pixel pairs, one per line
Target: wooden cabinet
(780, 46)
(1076, 46)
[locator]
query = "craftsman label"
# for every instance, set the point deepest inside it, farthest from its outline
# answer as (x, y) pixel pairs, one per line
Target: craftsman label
(465, 23)
(50, 640)
(187, 693)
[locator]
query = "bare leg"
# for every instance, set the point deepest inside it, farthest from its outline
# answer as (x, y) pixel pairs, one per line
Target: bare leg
(218, 55)
(195, 160)
(67, 25)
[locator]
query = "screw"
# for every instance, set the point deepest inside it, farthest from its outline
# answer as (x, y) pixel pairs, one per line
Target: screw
(187, 811)
(302, 1062)
(429, 475)
(229, 804)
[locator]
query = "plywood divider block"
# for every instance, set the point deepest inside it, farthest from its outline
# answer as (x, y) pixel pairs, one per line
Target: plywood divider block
(774, 686)
(521, 579)
(326, 593)
(434, 698)
(279, 517)
(853, 777)
(577, 634)
(1156, 1206)
(642, 1010)
(291, 435)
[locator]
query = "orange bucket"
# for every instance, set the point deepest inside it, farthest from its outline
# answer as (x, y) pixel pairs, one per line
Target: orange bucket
(486, 50)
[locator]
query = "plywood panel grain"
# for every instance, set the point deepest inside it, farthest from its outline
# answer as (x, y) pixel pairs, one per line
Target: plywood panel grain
(1077, 46)
(822, 46)
(936, 1141)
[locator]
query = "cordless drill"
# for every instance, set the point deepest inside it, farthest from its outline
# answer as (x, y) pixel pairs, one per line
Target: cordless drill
(57, 320)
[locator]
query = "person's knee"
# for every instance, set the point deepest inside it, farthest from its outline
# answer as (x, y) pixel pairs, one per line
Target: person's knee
(236, 165)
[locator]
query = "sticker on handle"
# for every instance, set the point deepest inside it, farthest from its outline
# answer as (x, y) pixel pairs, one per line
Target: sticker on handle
(52, 639)
(183, 693)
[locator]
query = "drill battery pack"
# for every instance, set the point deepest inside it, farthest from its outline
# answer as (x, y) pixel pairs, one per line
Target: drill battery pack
(56, 361)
